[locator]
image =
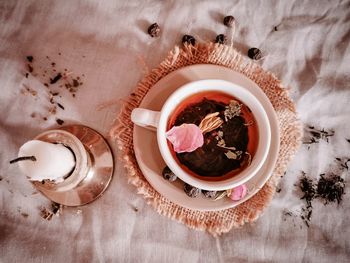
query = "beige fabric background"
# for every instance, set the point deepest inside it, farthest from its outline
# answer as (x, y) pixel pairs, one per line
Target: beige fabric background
(106, 41)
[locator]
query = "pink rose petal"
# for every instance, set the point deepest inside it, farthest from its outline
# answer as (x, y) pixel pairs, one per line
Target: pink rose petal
(238, 192)
(185, 138)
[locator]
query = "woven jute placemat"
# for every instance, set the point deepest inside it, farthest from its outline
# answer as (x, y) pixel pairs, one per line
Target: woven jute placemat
(217, 222)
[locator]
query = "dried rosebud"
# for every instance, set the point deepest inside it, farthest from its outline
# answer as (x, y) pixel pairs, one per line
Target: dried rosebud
(221, 39)
(254, 53)
(229, 21)
(238, 192)
(168, 174)
(191, 191)
(154, 30)
(188, 39)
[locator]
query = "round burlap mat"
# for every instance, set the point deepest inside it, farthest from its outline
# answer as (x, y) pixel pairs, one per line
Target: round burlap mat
(290, 133)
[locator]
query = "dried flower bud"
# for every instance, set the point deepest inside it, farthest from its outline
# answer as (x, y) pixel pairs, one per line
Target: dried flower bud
(254, 53)
(229, 21)
(154, 30)
(209, 194)
(191, 191)
(221, 39)
(188, 39)
(210, 122)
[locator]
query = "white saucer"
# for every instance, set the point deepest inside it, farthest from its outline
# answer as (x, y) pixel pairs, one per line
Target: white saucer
(145, 141)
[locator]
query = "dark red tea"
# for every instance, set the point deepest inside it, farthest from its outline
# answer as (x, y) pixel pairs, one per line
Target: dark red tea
(227, 149)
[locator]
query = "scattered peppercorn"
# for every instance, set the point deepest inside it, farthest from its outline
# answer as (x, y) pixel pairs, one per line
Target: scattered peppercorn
(59, 121)
(221, 39)
(254, 53)
(30, 58)
(209, 194)
(228, 21)
(191, 191)
(154, 30)
(188, 39)
(168, 174)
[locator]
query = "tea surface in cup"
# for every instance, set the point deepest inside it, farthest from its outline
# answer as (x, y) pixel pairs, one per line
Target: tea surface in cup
(230, 135)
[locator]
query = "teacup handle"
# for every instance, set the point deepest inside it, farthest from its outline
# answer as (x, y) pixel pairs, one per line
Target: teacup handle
(145, 118)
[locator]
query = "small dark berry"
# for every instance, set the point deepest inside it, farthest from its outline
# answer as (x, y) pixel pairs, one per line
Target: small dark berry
(168, 174)
(154, 30)
(221, 39)
(191, 191)
(30, 58)
(209, 194)
(188, 39)
(254, 53)
(229, 21)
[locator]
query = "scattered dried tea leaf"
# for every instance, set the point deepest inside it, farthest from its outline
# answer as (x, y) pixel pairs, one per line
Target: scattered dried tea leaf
(56, 78)
(60, 105)
(331, 189)
(316, 135)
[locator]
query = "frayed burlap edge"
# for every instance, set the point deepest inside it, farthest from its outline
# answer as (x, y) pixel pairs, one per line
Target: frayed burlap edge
(218, 222)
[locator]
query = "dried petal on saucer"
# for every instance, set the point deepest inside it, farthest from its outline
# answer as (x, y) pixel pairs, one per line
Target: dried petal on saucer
(238, 192)
(185, 138)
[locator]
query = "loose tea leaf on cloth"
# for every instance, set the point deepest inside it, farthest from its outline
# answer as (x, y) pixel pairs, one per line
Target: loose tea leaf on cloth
(223, 221)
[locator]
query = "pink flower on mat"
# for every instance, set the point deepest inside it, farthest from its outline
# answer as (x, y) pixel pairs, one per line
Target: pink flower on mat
(185, 138)
(238, 192)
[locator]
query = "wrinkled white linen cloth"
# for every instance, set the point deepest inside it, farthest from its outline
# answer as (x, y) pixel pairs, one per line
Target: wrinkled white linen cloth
(306, 45)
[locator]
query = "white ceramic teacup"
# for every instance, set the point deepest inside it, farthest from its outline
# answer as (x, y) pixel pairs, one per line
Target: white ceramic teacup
(158, 121)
